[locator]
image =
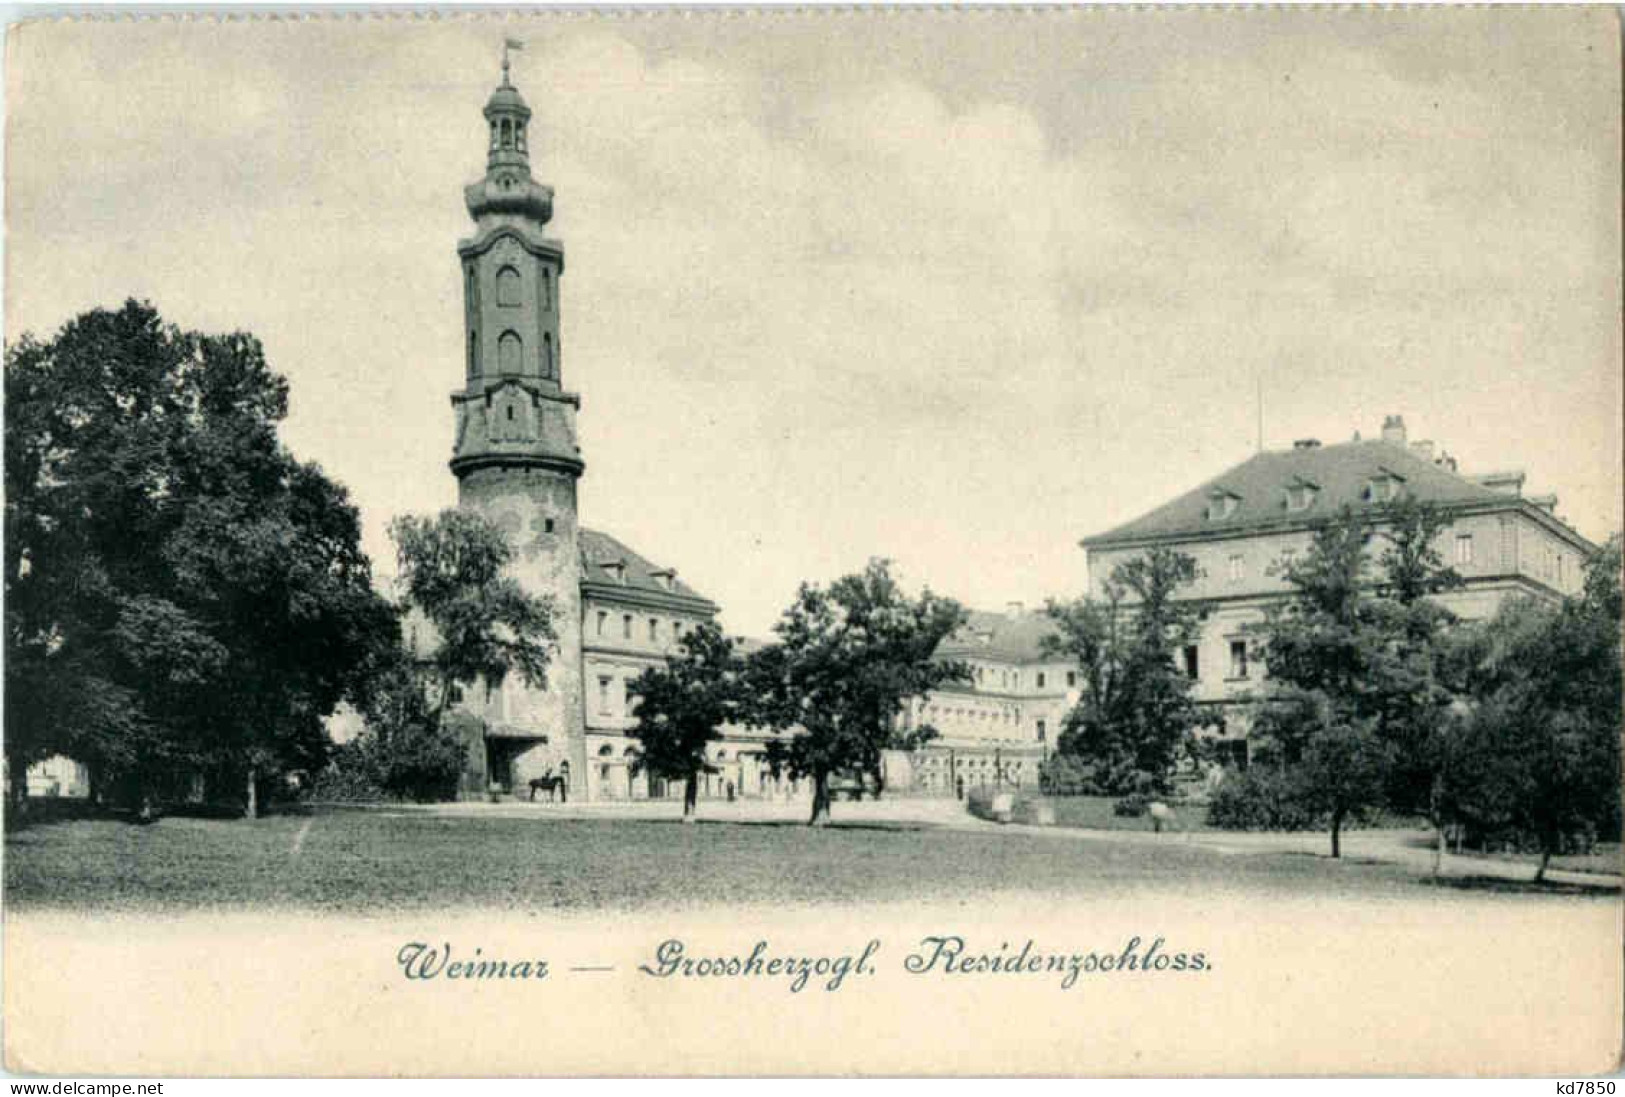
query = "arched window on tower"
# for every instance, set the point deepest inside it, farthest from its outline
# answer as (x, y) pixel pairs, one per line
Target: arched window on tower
(473, 354)
(547, 289)
(507, 133)
(510, 352)
(548, 366)
(508, 284)
(494, 136)
(519, 135)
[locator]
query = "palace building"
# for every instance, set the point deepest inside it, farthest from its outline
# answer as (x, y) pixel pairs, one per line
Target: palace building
(1243, 524)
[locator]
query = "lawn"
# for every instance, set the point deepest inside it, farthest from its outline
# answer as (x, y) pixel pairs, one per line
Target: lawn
(361, 860)
(1095, 813)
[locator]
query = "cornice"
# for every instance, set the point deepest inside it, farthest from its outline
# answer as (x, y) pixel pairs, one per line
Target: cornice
(616, 594)
(1301, 523)
(542, 247)
(521, 381)
(464, 464)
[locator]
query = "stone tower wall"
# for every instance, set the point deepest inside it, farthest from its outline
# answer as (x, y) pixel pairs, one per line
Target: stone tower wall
(521, 501)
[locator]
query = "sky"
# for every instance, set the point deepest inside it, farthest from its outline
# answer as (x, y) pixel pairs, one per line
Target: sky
(955, 289)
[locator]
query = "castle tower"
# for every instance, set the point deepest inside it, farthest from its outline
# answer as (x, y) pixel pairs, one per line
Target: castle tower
(515, 458)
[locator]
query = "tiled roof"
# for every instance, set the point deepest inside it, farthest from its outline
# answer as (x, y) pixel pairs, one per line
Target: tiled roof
(1012, 638)
(1340, 472)
(635, 572)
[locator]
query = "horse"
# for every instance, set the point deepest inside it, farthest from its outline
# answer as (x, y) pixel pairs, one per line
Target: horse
(553, 786)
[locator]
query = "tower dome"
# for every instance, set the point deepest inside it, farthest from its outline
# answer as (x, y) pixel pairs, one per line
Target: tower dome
(509, 118)
(508, 187)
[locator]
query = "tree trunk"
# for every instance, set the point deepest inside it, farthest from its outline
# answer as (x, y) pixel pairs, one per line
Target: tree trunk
(820, 804)
(253, 811)
(1337, 828)
(1545, 859)
(691, 796)
(18, 791)
(1438, 829)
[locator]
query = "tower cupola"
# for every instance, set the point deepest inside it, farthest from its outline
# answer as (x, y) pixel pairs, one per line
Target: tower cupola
(508, 187)
(509, 118)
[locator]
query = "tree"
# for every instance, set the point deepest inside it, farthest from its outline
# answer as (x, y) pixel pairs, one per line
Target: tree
(1416, 666)
(1358, 699)
(1341, 764)
(1136, 711)
(404, 749)
(846, 661)
(182, 595)
(682, 707)
(1540, 749)
(487, 625)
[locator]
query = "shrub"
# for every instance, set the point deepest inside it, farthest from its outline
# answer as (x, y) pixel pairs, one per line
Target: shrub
(420, 762)
(349, 776)
(1260, 798)
(1132, 806)
(415, 761)
(1067, 775)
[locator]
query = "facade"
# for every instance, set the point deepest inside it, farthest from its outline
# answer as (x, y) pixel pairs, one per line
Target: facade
(1242, 525)
(1001, 724)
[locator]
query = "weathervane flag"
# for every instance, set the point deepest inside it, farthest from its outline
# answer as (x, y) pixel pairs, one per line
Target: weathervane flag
(509, 44)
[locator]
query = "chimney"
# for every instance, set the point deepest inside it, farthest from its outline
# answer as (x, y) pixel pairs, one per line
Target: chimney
(1507, 483)
(1015, 609)
(1424, 450)
(1393, 430)
(1306, 443)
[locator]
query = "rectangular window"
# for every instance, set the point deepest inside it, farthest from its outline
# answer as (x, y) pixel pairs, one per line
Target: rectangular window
(654, 631)
(1071, 677)
(1238, 658)
(1464, 548)
(1192, 659)
(603, 619)
(1236, 569)
(626, 627)
(1042, 731)
(603, 694)
(1040, 679)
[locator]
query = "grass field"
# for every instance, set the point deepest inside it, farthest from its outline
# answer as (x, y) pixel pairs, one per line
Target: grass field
(360, 860)
(1095, 813)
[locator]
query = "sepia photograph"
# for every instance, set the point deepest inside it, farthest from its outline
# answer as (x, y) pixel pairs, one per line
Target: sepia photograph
(1057, 541)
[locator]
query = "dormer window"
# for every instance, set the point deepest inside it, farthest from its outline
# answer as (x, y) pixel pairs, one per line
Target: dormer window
(1300, 494)
(666, 579)
(1221, 504)
(616, 570)
(1384, 487)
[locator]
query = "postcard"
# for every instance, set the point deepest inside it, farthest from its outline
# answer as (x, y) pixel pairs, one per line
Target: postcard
(1050, 541)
